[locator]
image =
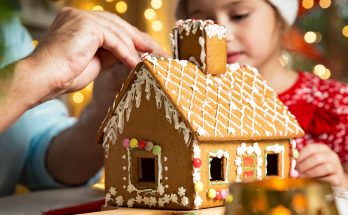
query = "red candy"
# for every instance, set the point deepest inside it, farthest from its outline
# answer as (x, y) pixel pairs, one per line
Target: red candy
(141, 144)
(218, 195)
(197, 162)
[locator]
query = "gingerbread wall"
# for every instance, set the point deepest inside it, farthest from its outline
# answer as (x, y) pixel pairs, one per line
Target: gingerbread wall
(150, 124)
(231, 149)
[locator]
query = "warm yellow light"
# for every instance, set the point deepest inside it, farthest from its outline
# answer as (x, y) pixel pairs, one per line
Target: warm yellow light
(345, 31)
(78, 97)
(307, 4)
(89, 87)
(326, 74)
(121, 7)
(35, 43)
(325, 3)
(157, 25)
(280, 210)
(310, 37)
(149, 14)
(109, 1)
(98, 7)
(156, 4)
(319, 69)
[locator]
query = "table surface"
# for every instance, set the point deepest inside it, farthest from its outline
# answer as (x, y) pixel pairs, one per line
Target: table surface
(37, 202)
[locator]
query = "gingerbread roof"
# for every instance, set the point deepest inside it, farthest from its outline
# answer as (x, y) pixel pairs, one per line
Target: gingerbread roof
(237, 105)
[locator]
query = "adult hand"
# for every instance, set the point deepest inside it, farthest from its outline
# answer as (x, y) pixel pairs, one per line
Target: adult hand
(318, 161)
(79, 44)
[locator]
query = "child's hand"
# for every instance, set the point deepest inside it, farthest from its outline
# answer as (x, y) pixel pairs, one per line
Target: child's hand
(320, 162)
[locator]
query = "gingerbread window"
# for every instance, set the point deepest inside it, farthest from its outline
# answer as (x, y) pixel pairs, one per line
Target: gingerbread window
(144, 169)
(218, 165)
(274, 160)
(272, 167)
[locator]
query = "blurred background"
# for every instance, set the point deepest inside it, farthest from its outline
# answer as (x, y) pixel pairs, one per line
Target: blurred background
(318, 42)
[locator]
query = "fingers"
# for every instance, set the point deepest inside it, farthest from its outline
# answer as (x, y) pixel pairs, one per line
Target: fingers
(319, 171)
(114, 44)
(142, 41)
(311, 149)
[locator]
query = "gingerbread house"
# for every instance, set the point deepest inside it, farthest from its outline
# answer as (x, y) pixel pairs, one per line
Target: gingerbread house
(180, 130)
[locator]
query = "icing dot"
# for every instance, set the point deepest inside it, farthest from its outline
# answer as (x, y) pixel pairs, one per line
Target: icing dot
(229, 198)
(124, 167)
(295, 153)
(148, 146)
(218, 195)
(124, 186)
(165, 158)
(199, 186)
(166, 178)
(125, 143)
(224, 193)
(211, 193)
(133, 143)
(165, 168)
(141, 144)
(197, 162)
(156, 150)
(124, 178)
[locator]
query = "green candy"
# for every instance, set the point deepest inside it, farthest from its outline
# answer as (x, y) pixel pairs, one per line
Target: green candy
(295, 153)
(156, 150)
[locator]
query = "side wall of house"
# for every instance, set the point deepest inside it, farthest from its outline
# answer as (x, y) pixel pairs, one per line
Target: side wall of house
(243, 162)
(173, 165)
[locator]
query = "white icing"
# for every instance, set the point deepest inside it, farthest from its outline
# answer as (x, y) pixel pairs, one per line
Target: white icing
(196, 175)
(201, 42)
(243, 150)
(116, 122)
(191, 26)
(181, 191)
(277, 149)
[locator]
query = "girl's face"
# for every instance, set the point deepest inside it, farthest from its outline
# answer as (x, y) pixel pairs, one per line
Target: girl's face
(253, 36)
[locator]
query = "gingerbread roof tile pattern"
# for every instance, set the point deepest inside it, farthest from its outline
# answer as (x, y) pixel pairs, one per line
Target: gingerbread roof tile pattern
(237, 105)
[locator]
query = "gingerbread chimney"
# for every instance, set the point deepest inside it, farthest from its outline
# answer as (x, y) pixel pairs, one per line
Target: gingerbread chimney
(201, 42)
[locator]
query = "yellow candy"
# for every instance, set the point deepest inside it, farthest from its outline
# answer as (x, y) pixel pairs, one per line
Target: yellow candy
(229, 198)
(199, 186)
(212, 193)
(133, 143)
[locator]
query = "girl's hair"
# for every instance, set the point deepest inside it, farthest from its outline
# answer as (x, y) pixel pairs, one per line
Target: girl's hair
(182, 13)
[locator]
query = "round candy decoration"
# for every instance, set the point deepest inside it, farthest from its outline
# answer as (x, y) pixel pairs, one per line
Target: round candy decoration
(156, 150)
(125, 143)
(229, 198)
(133, 143)
(218, 195)
(141, 144)
(224, 193)
(211, 193)
(294, 173)
(149, 146)
(199, 186)
(295, 153)
(197, 162)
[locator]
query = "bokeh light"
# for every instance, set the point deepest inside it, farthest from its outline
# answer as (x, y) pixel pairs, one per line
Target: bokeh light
(325, 3)
(156, 4)
(98, 8)
(78, 97)
(307, 4)
(345, 31)
(157, 25)
(310, 37)
(150, 14)
(121, 7)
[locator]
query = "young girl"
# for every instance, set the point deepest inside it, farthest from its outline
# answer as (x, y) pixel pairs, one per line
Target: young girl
(254, 36)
